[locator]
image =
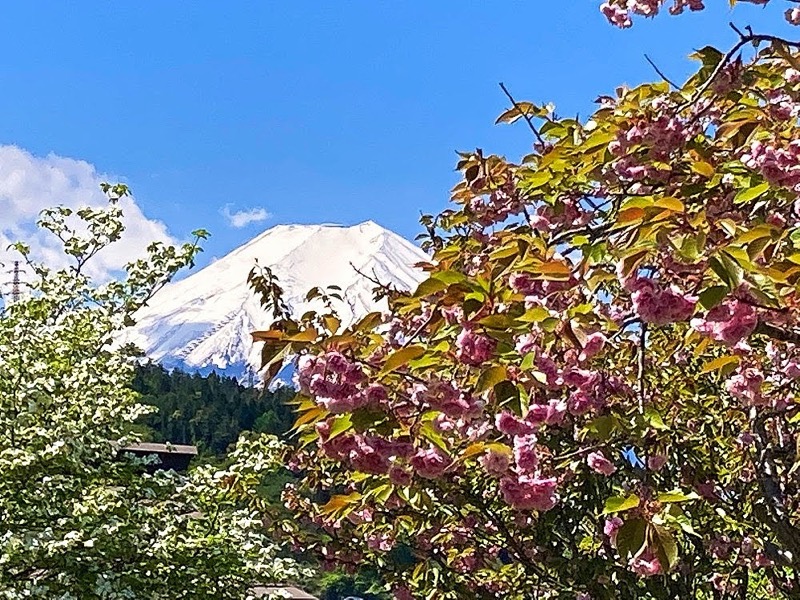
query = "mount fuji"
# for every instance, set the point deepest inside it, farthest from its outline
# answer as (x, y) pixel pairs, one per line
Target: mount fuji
(203, 322)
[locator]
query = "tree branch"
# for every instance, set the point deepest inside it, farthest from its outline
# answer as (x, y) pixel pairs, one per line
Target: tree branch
(777, 333)
(661, 74)
(523, 113)
(744, 39)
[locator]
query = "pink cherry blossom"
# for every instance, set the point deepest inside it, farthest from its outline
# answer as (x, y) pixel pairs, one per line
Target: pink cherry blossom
(430, 462)
(660, 305)
(525, 454)
(599, 463)
(529, 492)
(593, 345)
(510, 424)
(551, 413)
(495, 463)
(745, 385)
(474, 348)
(656, 462)
(611, 527)
(646, 564)
(729, 322)
(399, 477)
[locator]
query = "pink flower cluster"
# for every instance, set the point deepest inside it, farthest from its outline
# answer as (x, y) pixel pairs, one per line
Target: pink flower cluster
(611, 528)
(646, 564)
(745, 385)
(592, 390)
(525, 454)
(365, 453)
(495, 463)
(778, 163)
(496, 206)
(657, 304)
(567, 212)
(618, 12)
(782, 106)
(538, 415)
(474, 348)
(730, 322)
(430, 462)
(529, 492)
(334, 381)
(661, 134)
(446, 398)
(599, 463)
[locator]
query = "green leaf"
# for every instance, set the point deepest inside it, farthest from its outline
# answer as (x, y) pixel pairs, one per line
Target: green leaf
(496, 321)
(429, 287)
(677, 496)
(718, 363)
(401, 357)
(631, 537)
(616, 504)
(712, 296)
(341, 423)
(748, 194)
(536, 314)
(665, 546)
(490, 378)
(654, 419)
(449, 277)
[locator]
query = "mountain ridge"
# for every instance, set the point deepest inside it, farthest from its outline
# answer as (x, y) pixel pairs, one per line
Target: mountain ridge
(203, 322)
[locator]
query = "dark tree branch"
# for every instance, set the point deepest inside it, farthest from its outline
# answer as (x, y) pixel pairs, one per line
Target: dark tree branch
(773, 512)
(524, 114)
(661, 74)
(744, 39)
(778, 333)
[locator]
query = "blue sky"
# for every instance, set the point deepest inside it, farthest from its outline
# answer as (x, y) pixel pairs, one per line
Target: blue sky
(314, 111)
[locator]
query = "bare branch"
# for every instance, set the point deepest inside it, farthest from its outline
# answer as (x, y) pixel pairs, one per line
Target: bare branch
(523, 113)
(661, 74)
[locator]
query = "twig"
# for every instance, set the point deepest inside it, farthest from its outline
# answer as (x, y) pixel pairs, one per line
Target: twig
(777, 333)
(374, 279)
(641, 373)
(523, 113)
(422, 327)
(744, 39)
(661, 74)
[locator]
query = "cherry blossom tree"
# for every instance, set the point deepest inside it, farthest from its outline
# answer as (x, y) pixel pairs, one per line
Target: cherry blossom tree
(594, 393)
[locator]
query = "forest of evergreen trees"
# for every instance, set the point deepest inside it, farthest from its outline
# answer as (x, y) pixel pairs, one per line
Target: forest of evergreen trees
(208, 411)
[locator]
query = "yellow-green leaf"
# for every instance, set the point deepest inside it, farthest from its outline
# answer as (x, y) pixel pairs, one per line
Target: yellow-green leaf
(719, 363)
(748, 194)
(616, 504)
(401, 357)
(490, 378)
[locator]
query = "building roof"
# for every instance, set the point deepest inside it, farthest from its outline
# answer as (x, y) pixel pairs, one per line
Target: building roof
(151, 448)
(282, 591)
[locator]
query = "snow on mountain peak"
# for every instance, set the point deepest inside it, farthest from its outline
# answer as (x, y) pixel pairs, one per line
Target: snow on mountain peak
(203, 322)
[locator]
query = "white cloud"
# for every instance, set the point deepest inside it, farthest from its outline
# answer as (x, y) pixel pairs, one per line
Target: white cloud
(242, 218)
(30, 183)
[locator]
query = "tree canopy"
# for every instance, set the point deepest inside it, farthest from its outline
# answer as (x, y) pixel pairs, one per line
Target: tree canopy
(594, 394)
(81, 520)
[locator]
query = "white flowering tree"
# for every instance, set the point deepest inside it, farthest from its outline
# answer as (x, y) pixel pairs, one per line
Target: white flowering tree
(78, 519)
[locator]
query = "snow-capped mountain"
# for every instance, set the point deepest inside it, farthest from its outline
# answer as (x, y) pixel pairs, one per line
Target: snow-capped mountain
(204, 322)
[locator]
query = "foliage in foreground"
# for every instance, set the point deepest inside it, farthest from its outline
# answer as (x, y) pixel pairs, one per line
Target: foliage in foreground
(594, 393)
(77, 519)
